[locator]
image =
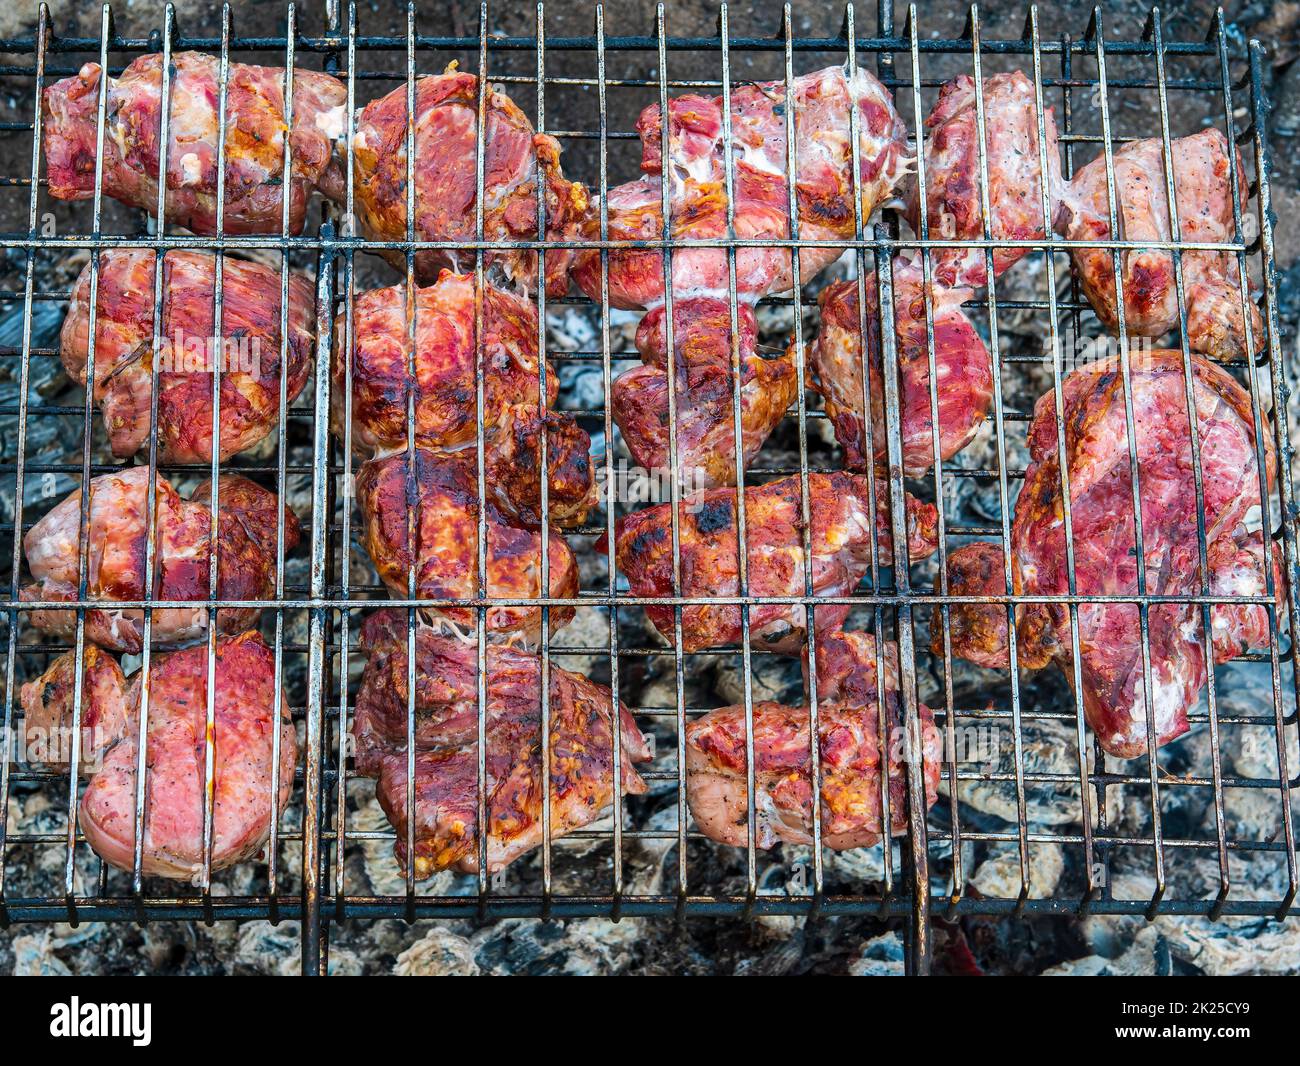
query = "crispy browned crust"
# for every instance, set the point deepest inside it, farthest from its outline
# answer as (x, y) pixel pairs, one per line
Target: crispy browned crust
(841, 515)
(446, 760)
(442, 504)
(446, 110)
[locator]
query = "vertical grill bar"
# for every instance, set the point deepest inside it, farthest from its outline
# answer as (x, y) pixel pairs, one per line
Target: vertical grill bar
(742, 540)
(999, 429)
(805, 500)
(24, 376)
(151, 490)
(919, 943)
(1067, 507)
(868, 424)
(543, 485)
(1281, 418)
(410, 297)
(273, 842)
(674, 486)
(1194, 438)
(314, 930)
(480, 153)
(1096, 35)
(347, 481)
(83, 524)
(1105, 851)
(616, 903)
(214, 546)
(957, 881)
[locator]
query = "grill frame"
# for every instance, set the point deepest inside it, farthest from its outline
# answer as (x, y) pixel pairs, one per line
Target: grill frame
(330, 599)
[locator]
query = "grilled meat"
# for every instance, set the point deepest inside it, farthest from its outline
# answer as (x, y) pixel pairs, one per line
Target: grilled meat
(48, 704)
(1105, 549)
(446, 758)
(445, 391)
(255, 145)
(1203, 189)
(246, 711)
(698, 189)
(849, 749)
(704, 387)
(963, 370)
(116, 541)
(442, 507)
(953, 183)
(515, 159)
(249, 355)
(842, 516)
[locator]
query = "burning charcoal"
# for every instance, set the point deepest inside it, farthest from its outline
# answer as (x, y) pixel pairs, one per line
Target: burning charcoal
(1050, 747)
(1147, 956)
(772, 677)
(1232, 946)
(34, 957)
(440, 953)
(267, 949)
(581, 947)
(881, 956)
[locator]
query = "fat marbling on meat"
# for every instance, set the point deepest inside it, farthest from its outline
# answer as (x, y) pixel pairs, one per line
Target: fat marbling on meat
(254, 150)
(115, 553)
(1211, 279)
(515, 161)
(248, 355)
(247, 713)
(446, 760)
(953, 181)
(1105, 548)
(822, 103)
(963, 370)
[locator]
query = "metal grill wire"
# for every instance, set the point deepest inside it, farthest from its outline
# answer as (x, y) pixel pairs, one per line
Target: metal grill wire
(331, 597)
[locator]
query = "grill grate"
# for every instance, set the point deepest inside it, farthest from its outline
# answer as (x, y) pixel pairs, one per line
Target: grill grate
(319, 601)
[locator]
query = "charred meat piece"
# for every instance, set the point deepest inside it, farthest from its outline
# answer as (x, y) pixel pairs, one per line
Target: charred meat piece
(446, 758)
(842, 517)
(248, 357)
(704, 388)
(1105, 547)
(696, 178)
(850, 752)
(1203, 189)
(247, 712)
(963, 370)
(116, 542)
(977, 632)
(255, 140)
(442, 508)
(515, 160)
(445, 391)
(953, 182)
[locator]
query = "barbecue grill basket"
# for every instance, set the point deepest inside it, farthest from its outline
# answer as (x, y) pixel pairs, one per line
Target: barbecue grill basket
(1116, 824)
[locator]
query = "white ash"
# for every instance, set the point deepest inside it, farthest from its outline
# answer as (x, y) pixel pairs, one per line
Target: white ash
(439, 953)
(1000, 875)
